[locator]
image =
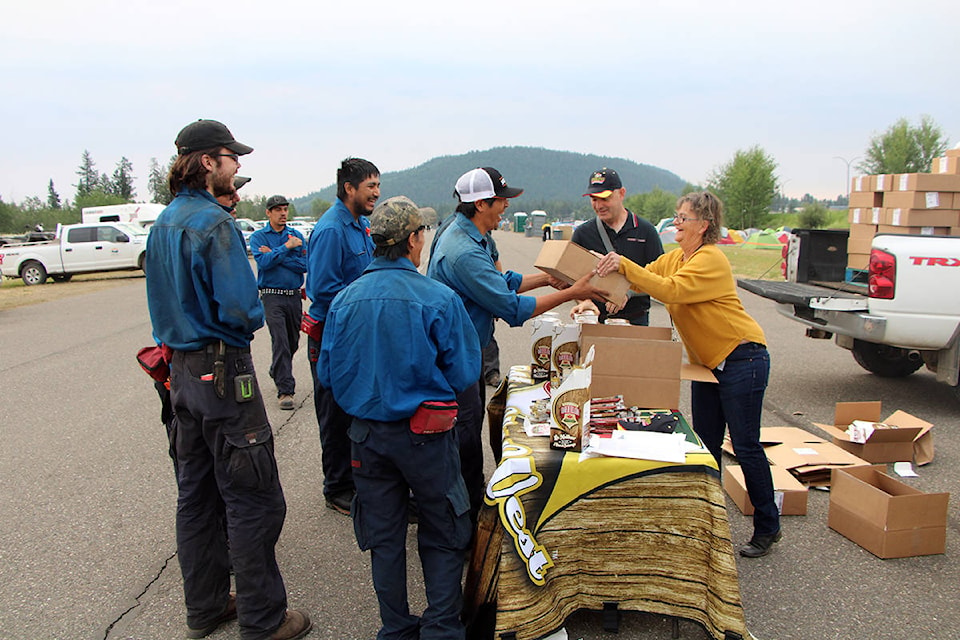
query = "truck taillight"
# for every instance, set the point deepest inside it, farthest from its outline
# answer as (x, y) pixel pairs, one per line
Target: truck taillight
(783, 262)
(883, 275)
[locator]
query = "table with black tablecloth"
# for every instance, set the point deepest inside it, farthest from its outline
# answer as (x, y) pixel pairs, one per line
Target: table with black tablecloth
(558, 534)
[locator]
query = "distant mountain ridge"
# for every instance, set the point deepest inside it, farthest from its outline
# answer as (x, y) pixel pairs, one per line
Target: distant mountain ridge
(552, 180)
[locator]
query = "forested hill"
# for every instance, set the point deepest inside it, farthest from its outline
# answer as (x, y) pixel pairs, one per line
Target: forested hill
(552, 180)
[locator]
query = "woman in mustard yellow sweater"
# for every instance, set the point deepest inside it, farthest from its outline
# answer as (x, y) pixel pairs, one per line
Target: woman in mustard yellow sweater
(696, 284)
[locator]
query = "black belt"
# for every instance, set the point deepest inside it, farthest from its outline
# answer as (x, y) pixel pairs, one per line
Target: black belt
(214, 349)
(280, 292)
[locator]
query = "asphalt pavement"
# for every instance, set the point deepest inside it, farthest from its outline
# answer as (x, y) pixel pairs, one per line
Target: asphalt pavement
(89, 551)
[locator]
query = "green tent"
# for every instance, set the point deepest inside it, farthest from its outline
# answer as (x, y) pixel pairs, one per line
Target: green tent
(765, 239)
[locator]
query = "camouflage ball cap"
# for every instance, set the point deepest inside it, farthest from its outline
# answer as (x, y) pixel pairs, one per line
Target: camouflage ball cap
(393, 220)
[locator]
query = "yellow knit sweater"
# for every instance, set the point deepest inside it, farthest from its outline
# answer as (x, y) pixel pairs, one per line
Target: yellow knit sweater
(701, 296)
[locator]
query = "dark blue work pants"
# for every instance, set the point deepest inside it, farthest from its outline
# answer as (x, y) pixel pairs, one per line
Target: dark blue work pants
(224, 452)
(469, 429)
(737, 403)
(390, 462)
(283, 314)
(333, 423)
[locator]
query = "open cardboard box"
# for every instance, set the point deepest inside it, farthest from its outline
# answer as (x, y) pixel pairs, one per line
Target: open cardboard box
(809, 458)
(569, 262)
(643, 364)
(885, 516)
(909, 438)
(790, 495)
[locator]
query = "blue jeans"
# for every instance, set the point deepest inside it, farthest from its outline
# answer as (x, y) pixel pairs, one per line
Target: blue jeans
(737, 403)
(392, 462)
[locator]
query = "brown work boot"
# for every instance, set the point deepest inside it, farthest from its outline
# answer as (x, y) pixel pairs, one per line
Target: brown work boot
(296, 624)
(229, 613)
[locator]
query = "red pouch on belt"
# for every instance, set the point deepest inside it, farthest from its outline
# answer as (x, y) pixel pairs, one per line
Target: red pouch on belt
(311, 327)
(434, 417)
(153, 360)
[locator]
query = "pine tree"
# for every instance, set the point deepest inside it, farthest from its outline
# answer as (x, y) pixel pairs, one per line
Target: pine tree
(157, 183)
(89, 178)
(53, 198)
(122, 181)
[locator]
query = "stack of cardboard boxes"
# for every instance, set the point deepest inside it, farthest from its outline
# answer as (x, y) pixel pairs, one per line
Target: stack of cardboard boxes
(907, 203)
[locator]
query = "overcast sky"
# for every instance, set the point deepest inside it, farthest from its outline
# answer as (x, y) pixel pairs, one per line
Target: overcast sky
(677, 84)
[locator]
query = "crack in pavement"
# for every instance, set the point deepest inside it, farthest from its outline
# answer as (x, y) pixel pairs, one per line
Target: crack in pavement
(119, 618)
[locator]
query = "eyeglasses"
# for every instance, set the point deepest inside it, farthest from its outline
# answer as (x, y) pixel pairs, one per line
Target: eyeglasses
(236, 157)
(420, 228)
(684, 219)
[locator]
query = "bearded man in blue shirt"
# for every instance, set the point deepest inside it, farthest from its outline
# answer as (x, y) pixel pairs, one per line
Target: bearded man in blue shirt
(418, 350)
(204, 306)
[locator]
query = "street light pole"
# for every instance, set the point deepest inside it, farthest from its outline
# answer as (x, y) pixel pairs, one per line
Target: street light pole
(848, 163)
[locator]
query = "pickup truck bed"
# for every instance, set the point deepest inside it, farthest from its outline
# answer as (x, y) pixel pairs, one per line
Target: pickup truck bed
(805, 293)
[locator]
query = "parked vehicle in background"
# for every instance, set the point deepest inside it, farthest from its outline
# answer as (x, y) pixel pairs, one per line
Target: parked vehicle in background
(303, 226)
(247, 227)
(899, 314)
(76, 248)
(142, 213)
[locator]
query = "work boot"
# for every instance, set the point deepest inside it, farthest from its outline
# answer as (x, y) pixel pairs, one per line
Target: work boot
(296, 624)
(340, 502)
(230, 613)
(759, 546)
(286, 402)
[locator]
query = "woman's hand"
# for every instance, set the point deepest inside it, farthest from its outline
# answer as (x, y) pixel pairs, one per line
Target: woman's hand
(584, 306)
(614, 307)
(608, 264)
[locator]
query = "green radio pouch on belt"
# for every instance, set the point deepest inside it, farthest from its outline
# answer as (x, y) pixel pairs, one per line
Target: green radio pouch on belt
(245, 387)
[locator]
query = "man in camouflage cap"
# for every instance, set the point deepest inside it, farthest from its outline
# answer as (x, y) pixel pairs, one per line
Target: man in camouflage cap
(420, 348)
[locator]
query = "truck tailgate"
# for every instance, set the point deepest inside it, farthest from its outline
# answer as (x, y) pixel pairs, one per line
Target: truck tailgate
(846, 297)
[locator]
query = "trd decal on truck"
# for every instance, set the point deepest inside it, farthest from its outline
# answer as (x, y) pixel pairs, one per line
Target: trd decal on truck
(935, 262)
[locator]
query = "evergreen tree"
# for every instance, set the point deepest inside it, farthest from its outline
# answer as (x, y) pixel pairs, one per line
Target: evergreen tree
(53, 198)
(122, 181)
(157, 182)
(89, 178)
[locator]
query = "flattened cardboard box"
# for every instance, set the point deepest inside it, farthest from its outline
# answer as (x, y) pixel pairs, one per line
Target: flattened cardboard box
(885, 516)
(807, 457)
(910, 440)
(644, 364)
(790, 495)
(569, 262)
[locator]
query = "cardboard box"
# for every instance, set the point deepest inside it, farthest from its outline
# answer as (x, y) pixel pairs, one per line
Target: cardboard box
(569, 262)
(883, 182)
(915, 231)
(859, 245)
(864, 215)
(918, 200)
(906, 439)
(807, 457)
(644, 364)
(861, 231)
(861, 183)
(790, 495)
(858, 261)
(920, 217)
(952, 153)
(868, 199)
(946, 165)
(885, 516)
(926, 182)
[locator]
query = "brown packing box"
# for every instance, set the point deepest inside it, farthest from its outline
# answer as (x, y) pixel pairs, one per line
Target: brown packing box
(926, 182)
(861, 231)
(570, 262)
(861, 183)
(908, 439)
(867, 199)
(915, 231)
(952, 153)
(791, 496)
(946, 165)
(644, 364)
(807, 457)
(865, 215)
(858, 261)
(920, 217)
(885, 516)
(918, 200)
(859, 245)
(883, 182)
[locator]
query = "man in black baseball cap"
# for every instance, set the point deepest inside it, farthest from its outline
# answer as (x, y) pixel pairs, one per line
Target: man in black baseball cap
(208, 134)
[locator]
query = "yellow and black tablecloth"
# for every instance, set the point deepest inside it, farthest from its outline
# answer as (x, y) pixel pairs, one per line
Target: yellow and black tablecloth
(557, 534)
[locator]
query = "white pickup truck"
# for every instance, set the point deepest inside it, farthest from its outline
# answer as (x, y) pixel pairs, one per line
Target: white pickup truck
(77, 248)
(903, 314)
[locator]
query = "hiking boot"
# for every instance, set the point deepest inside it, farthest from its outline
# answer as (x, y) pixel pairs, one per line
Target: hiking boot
(230, 613)
(286, 402)
(296, 624)
(340, 502)
(759, 546)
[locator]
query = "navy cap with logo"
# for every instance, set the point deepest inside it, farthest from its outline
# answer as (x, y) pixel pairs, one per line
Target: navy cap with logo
(603, 183)
(203, 135)
(483, 183)
(239, 181)
(276, 201)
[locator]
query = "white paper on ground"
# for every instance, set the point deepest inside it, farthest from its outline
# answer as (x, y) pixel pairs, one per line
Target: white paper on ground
(904, 470)
(561, 634)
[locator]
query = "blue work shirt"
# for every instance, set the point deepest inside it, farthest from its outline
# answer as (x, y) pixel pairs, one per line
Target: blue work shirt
(279, 268)
(462, 261)
(394, 339)
(340, 249)
(200, 288)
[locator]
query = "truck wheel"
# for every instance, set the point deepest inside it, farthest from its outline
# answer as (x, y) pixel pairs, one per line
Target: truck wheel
(33, 273)
(62, 277)
(142, 263)
(885, 361)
